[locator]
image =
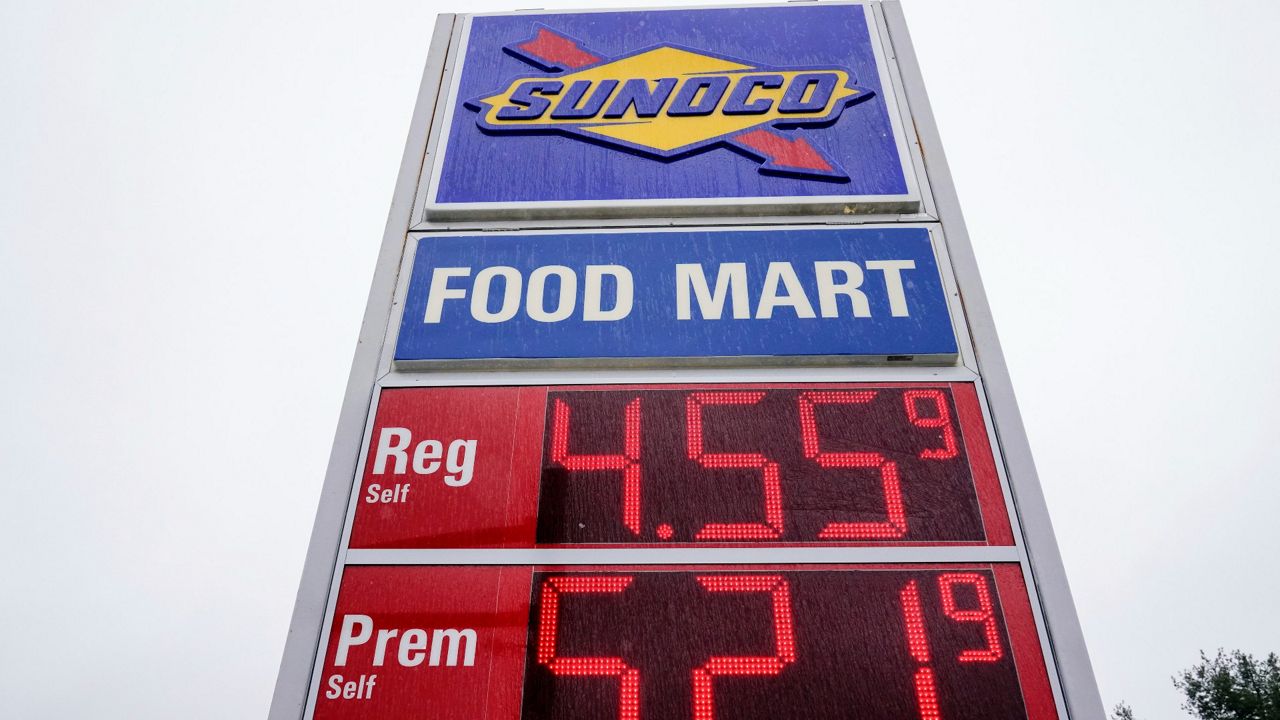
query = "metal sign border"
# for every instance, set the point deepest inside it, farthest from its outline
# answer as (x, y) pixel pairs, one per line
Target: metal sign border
(289, 699)
(1047, 577)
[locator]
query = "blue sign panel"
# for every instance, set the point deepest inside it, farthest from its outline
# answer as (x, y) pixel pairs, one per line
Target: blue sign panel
(588, 109)
(852, 293)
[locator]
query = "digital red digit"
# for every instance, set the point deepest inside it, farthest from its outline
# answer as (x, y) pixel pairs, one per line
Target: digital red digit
(773, 525)
(984, 613)
(895, 523)
(918, 645)
(548, 621)
(628, 461)
(942, 420)
(767, 665)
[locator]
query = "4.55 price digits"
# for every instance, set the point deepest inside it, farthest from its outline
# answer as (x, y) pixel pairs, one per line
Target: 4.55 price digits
(923, 418)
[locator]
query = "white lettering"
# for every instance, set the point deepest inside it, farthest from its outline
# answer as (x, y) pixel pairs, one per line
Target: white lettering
(454, 638)
(375, 493)
(461, 462)
(350, 636)
(510, 296)
(731, 281)
(892, 270)
(380, 647)
(794, 297)
(623, 298)
(440, 290)
(537, 286)
(427, 450)
(391, 442)
(412, 645)
(406, 646)
(829, 289)
(340, 687)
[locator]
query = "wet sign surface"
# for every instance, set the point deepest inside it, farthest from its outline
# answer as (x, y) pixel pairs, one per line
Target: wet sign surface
(865, 293)
(583, 110)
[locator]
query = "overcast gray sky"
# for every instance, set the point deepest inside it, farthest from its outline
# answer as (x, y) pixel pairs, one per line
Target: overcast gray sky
(191, 201)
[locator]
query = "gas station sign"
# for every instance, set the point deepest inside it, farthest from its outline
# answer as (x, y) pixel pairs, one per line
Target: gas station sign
(680, 112)
(678, 397)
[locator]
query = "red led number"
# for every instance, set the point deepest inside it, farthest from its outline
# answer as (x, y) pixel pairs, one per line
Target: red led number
(927, 409)
(767, 665)
(918, 638)
(628, 461)
(895, 524)
(940, 419)
(984, 613)
(548, 620)
(776, 586)
(918, 645)
(772, 526)
(779, 591)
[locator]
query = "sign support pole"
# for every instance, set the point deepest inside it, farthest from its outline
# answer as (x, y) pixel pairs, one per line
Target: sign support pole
(1081, 689)
(290, 698)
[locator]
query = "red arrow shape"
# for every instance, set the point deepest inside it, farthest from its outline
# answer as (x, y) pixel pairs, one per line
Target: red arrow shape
(785, 155)
(553, 50)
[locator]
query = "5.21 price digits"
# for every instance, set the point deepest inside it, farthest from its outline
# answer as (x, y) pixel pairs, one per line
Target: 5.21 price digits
(926, 645)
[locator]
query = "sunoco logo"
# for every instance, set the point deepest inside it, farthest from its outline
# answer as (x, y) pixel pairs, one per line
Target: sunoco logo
(670, 102)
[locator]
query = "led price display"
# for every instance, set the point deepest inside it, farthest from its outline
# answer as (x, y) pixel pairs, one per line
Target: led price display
(679, 642)
(756, 645)
(851, 463)
(786, 465)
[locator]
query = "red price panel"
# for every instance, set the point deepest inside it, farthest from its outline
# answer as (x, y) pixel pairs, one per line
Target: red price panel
(703, 643)
(848, 464)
